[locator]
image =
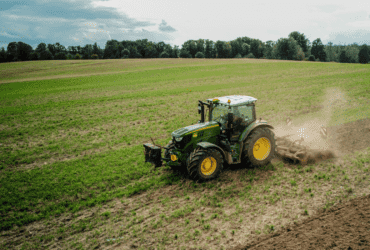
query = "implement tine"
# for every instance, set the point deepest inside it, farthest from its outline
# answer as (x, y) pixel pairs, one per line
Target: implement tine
(156, 144)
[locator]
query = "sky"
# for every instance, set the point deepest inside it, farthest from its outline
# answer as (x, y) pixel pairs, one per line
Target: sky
(81, 22)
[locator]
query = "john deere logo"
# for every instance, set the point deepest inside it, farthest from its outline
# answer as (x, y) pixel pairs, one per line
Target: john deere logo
(195, 135)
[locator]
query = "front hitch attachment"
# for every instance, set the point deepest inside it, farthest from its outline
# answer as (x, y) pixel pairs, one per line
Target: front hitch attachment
(153, 154)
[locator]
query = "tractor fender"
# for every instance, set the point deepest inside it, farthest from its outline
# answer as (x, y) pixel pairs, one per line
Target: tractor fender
(211, 145)
(253, 126)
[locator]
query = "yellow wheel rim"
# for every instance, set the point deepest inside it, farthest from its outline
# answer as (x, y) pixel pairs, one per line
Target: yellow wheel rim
(208, 166)
(262, 148)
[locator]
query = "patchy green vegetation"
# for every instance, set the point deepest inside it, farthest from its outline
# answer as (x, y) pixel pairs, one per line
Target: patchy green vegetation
(73, 146)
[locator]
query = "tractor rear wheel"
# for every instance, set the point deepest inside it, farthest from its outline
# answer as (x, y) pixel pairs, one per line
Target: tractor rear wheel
(259, 148)
(205, 164)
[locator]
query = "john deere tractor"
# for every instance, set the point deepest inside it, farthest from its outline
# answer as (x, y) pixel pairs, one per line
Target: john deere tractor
(231, 135)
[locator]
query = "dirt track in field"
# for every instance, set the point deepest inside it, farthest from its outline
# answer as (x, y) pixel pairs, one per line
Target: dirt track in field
(345, 226)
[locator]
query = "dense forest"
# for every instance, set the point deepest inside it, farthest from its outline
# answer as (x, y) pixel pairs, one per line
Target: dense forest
(295, 47)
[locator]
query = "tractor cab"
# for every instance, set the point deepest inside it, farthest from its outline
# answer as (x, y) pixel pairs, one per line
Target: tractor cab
(232, 113)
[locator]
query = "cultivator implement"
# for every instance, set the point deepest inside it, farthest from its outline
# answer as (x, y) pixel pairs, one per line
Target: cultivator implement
(292, 149)
(298, 153)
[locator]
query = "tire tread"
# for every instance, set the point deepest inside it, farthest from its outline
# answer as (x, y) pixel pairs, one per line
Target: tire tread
(194, 161)
(248, 141)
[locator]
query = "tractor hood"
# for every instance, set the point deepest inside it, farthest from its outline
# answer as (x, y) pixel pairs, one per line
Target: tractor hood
(193, 128)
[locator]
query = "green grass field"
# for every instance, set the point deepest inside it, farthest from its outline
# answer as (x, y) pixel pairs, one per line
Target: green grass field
(71, 135)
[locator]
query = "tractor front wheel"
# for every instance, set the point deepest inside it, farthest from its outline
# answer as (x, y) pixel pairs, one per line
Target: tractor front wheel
(167, 154)
(205, 164)
(259, 148)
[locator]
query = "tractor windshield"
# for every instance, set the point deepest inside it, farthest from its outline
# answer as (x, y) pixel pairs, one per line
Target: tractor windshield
(219, 113)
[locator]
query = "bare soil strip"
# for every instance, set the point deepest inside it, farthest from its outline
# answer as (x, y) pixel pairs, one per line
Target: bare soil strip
(346, 226)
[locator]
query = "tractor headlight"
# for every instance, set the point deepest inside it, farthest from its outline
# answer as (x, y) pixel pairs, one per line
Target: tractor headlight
(178, 139)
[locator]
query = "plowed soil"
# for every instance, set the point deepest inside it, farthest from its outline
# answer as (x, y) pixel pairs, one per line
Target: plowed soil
(345, 226)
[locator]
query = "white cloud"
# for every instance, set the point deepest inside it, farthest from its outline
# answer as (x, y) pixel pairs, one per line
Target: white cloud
(228, 20)
(175, 21)
(360, 24)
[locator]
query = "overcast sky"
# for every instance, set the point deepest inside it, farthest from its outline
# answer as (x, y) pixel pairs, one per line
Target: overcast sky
(81, 22)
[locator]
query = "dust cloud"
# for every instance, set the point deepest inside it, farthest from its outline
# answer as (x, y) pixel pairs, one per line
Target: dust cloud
(311, 132)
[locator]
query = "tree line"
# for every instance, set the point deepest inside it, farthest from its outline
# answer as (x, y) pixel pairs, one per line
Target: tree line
(295, 47)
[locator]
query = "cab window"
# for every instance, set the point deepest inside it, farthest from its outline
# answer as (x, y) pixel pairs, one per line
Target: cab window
(244, 112)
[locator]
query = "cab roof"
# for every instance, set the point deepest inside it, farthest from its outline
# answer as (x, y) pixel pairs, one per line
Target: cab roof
(236, 100)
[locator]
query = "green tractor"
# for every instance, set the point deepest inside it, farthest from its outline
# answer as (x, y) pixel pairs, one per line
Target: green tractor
(231, 135)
